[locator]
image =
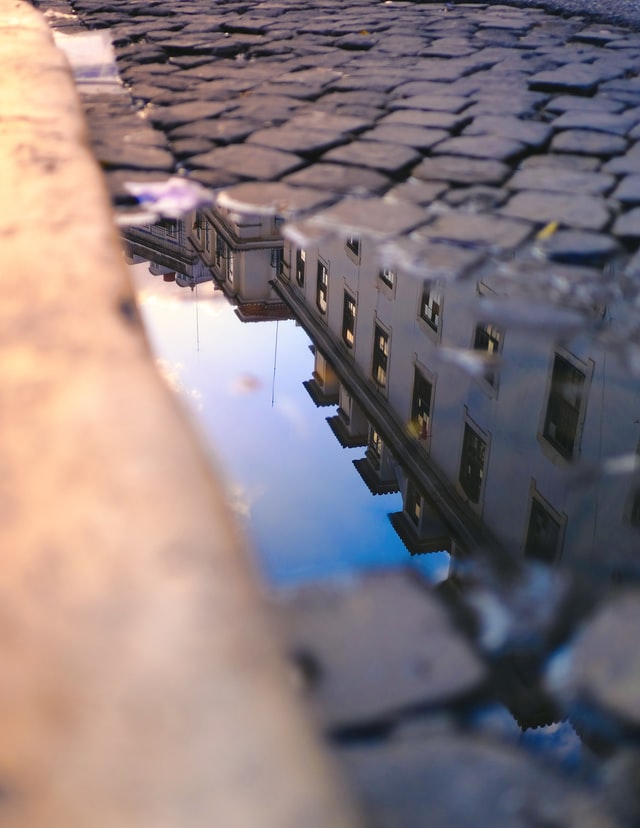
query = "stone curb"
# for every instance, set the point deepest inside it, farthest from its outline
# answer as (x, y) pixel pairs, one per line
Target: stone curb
(141, 682)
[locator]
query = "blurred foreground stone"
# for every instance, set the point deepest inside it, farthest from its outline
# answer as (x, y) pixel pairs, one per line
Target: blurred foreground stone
(140, 681)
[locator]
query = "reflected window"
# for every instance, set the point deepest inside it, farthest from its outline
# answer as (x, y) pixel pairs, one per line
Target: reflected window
(231, 268)
(562, 417)
(431, 305)
(374, 448)
(544, 533)
(276, 259)
(170, 226)
(353, 245)
(413, 505)
(421, 405)
(349, 319)
(488, 338)
(474, 450)
(380, 356)
(301, 263)
(322, 287)
(207, 236)
(387, 277)
(220, 250)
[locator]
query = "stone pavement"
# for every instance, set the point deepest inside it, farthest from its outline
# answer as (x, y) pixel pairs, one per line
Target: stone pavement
(508, 132)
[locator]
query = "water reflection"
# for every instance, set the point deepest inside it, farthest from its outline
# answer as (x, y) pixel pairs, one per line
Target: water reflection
(496, 435)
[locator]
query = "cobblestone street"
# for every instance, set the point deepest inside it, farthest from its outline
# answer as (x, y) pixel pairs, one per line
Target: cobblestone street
(458, 138)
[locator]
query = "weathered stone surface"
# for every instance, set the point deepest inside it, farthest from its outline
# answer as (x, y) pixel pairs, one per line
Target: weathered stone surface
(492, 147)
(603, 668)
(572, 77)
(581, 211)
(531, 133)
(389, 158)
(568, 103)
(340, 179)
(476, 199)
(615, 123)
(272, 198)
(248, 161)
(418, 192)
(588, 142)
(220, 131)
(628, 191)
(407, 135)
(184, 113)
(408, 783)
(363, 677)
(134, 156)
(422, 118)
(585, 163)
(558, 179)
(579, 247)
(290, 139)
(627, 226)
(322, 120)
(627, 164)
(492, 231)
(460, 170)
(434, 103)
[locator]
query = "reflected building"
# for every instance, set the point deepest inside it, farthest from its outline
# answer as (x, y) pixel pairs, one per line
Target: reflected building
(479, 426)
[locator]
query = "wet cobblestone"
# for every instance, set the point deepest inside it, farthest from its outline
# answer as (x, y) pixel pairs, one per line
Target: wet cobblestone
(444, 132)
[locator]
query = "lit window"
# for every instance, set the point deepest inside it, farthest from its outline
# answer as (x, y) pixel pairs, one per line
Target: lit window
(230, 268)
(374, 448)
(421, 405)
(380, 356)
(414, 503)
(349, 319)
(322, 287)
(301, 261)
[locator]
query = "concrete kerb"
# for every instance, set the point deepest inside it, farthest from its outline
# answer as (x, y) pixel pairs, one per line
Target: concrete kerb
(142, 682)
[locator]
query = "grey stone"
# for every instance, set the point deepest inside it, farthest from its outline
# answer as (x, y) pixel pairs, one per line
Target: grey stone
(567, 103)
(572, 77)
(364, 677)
(531, 133)
(502, 103)
(434, 103)
(569, 162)
(291, 139)
(418, 192)
(273, 198)
(322, 120)
(170, 116)
(133, 156)
(581, 211)
(559, 179)
(476, 199)
(628, 190)
(604, 668)
(627, 164)
(408, 783)
(613, 123)
(338, 178)
(411, 136)
(493, 147)
(628, 225)
(220, 131)
(390, 158)
(429, 120)
(588, 142)
(248, 161)
(184, 147)
(479, 229)
(460, 170)
(424, 258)
(579, 247)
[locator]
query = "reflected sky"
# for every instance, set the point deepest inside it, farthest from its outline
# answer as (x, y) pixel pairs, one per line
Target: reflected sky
(307, 512)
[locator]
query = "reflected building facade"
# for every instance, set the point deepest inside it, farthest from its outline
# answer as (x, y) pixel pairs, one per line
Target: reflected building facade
(479, 426)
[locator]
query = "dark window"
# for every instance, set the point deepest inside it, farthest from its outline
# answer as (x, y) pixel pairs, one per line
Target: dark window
(220, 249)
(388, 277)
(349, 319)
(301, 261)
(474, 450)
(322, 287)
(353, 244)
(276, 259)
(543, 534)
(380, 356)
(563, 409)
(421, 405)
(488, 338)
(431, 306)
